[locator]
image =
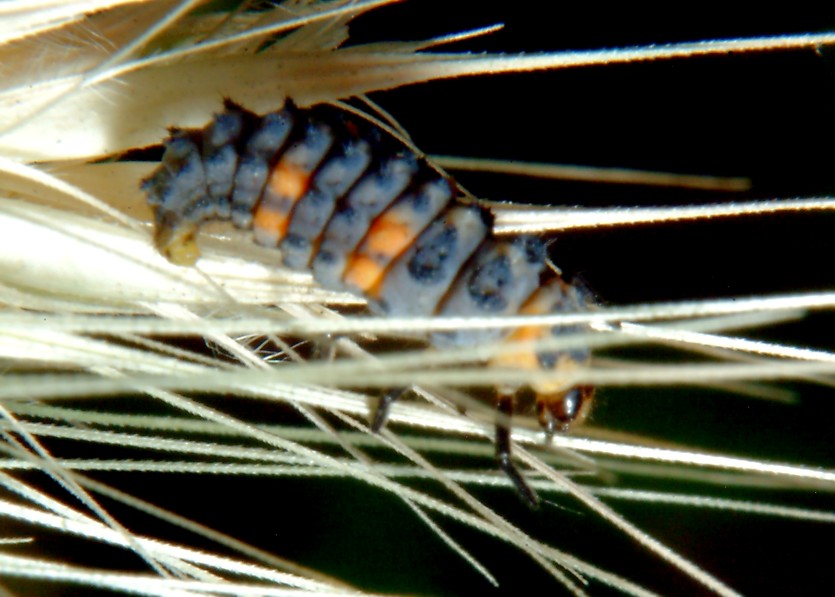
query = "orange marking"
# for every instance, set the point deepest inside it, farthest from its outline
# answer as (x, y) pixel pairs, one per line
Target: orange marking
(523, 358)
(540, 303)
(364, 273)
(288, 181)
(270, 221)
(528, 333)
(388, 236)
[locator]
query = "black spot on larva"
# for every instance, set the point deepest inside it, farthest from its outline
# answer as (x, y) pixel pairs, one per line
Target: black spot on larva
(152, 187)
(487, 284)
(427, 198)
(427, 264)
(533, 248)
(296, 241)
(202, 205)
(548, 360)
(318, 198)
(225, 128)
(579, 354)
(420, 202)
(345, 211)
(326, 257)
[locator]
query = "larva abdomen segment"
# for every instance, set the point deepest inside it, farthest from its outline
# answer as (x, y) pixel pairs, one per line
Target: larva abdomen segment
(366, 214)
(421, 277)
(220, 159)
(503, 274)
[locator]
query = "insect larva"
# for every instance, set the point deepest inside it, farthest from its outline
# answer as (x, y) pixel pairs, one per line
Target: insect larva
(366, 214)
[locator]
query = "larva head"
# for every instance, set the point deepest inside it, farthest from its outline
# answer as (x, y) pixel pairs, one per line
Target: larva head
(557, 410)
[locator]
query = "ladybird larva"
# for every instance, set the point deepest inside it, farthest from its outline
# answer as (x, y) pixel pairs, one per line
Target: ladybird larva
(364, 213)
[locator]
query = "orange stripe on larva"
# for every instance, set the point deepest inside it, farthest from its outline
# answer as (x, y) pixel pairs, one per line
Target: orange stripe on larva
(364, 273)
(389, 236)
(538, 304)
(270, 222)
(524, 358)
(288, 181)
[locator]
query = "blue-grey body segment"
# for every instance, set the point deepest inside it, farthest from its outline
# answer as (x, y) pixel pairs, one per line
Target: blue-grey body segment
(420, 277)
(419, 207)
(220, 159)
(254, 165)
(178, 190)
(496, 281)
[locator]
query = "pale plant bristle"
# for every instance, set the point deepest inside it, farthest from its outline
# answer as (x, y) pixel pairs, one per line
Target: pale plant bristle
(122, 369)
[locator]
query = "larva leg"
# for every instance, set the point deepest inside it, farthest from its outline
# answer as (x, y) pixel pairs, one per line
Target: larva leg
(546, 421)
(503, 455)
(381, 413)
(325, 349)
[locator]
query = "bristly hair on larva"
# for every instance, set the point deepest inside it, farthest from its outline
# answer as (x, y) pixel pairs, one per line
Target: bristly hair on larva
(345, 200)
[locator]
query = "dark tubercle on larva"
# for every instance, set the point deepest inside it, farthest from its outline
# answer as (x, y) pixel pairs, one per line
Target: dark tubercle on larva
(533, 248)
(488, 283)
(429, 263)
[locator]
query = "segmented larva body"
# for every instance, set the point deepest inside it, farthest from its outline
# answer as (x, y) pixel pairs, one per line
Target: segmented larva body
(347, 201)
